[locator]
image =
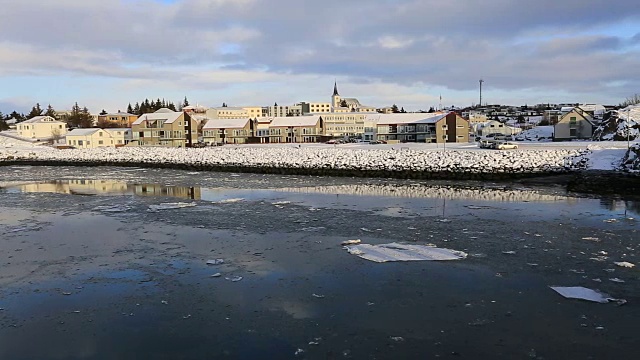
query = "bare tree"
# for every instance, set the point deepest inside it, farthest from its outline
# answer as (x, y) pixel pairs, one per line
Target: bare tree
(56, 135)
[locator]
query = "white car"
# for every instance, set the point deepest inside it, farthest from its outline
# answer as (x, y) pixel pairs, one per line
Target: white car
(506, 145)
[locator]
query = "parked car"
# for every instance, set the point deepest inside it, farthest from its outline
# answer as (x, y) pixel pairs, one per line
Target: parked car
(506, 145)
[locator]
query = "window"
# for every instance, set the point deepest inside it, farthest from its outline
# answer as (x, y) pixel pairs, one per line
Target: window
(573, 132)
(100, 142)
(88, 142)
(100, 134)
(80, 143)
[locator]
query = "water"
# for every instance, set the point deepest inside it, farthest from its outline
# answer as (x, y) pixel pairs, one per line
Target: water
(90, 272)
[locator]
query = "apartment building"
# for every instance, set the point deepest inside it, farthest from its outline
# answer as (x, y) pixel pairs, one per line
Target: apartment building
(227, 131)
(41, 128)
(296, 129)
(121, 119)
(421, 127)
(171, 128)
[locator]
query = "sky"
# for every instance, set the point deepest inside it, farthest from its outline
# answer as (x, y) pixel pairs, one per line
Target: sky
(105, 54)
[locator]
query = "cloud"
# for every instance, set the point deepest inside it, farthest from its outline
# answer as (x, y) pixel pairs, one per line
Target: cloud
(516, 46)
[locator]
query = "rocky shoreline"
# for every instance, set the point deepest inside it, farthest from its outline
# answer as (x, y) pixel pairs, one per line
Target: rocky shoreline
(557, 167)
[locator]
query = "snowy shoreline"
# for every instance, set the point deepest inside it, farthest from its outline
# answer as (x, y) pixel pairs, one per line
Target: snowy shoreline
(317, 161)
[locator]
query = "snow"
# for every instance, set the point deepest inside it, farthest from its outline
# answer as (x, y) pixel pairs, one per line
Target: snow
(537, 133)
(606, 159)
(535, 157)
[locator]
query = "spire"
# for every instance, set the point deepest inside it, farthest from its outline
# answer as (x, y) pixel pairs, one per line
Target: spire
(335, 89)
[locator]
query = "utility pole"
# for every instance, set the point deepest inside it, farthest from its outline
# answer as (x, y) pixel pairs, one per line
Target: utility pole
(628, 123)
(481, 81)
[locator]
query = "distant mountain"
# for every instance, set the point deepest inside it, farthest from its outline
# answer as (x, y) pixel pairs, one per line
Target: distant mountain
(619, 124)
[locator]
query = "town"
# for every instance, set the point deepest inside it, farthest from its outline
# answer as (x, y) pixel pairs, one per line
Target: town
(340, 120)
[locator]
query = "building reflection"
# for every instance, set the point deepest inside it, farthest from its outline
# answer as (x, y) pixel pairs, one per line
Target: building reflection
(105, 187)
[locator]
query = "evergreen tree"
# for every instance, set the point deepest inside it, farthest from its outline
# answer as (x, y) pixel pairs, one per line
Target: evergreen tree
(86, 119)
(157, 105)
(129, 109)
(432, 110)
(104, 112)
(35, 111)
(164, 103)
(172, 106)
(3, 123)
(51, 112)
(15, 115)
(402, 110)
(343, 103)
(185, 102)
(136, 109)
(394, 109)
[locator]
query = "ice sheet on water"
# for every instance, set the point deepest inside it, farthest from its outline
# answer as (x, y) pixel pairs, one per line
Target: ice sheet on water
(112, 208)
(403, 252)
(582, 293)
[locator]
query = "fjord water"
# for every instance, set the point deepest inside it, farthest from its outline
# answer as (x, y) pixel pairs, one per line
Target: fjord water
(90, 270)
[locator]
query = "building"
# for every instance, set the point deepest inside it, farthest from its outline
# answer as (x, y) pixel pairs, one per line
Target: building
(345, 124)
(314, 108)
(176, 129)
(90, 138)
(282, 111)
(121, 136)
(42, 128)
(121, 119)
(261, 130)
(496, 127)
(421, 127)
(227, 113)
(575, 124)
(296, 129)
(229, 131)
(340, 104)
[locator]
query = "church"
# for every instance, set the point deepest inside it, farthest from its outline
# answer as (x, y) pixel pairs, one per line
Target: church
(340, 104)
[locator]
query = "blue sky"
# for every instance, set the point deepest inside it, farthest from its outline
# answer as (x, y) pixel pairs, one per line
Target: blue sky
(107, 53)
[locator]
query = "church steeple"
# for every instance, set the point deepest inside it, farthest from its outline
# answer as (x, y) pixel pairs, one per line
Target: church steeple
(335, 89)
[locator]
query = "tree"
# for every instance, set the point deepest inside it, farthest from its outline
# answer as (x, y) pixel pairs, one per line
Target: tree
(35, 111)
(3, 124)
(56, 135)
(432, 110)
(15, 115)
(104, 112)
(343, 103)
(521, 119)
(402, 110)
(129, 109)
(136, 109)
(79, 117)
(185, 102)
(51, 112)
(632, 100)
(394, 109)
(172, 106)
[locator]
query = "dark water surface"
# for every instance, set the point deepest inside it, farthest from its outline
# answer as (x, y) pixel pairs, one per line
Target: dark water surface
(89, 270)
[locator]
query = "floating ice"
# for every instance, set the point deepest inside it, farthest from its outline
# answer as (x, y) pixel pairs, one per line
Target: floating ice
(403, 252)
(168, 206)
(215, 262)
(234, 278)
(351, 242)
(229, 201)
(624, 264)
(582, 293)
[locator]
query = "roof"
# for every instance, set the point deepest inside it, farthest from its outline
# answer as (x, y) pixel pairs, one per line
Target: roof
(11, 121)
(164, 110)
(120, 113)
(225, 124)
(168, 117)
(41, 119)
(408, 118)
(291, 121)
(228, 108)
(83, 132)
(117, 129)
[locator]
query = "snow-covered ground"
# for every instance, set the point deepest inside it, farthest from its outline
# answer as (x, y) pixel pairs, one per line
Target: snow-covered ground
(461, 157)
(11, 142)
(539, 133)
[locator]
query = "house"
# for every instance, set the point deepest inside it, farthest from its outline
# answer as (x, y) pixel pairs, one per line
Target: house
(121, 119)
(13, 123)
(165, 128)
(575, 124)
(344, 125)
(421, 127)
(296, 129)
(42, 128)
(261, 130)
(227, 131)
(91, 138)
(121, 136)
(496, 127)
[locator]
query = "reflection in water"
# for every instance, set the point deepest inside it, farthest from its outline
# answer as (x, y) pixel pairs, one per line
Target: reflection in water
(104, 187)
(117, 187)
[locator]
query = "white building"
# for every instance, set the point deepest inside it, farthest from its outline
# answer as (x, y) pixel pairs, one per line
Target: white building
(41, 127)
